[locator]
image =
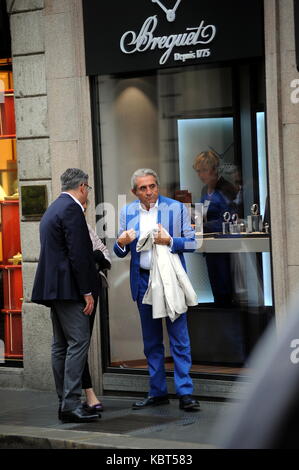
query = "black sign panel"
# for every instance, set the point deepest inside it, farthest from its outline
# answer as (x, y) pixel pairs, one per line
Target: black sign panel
(296, 15)
(133, 35)
(5, 41)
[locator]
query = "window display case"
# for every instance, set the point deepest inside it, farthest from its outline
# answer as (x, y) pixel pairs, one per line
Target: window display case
(10, 243)
(12, 283)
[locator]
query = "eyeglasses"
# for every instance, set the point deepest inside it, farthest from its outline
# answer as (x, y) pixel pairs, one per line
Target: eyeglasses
(89, 188)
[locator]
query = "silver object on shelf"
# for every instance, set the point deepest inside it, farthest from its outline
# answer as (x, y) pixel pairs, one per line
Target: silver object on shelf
(254, 221)
(226, 224)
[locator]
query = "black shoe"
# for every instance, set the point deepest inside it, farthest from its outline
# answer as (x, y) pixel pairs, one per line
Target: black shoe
(78, 415)
(151, 401)
(93, 409)
(59, 412)
(188, 403)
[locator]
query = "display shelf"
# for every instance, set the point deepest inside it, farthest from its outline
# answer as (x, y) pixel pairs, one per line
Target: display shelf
(232, 245)
(12, 287)
(12, 310)
(13, 343)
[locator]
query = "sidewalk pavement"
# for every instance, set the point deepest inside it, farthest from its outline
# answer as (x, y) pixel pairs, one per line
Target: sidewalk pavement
(28, 420)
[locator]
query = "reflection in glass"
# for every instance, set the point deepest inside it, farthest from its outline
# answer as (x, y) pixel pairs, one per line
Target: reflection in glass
(210, 186)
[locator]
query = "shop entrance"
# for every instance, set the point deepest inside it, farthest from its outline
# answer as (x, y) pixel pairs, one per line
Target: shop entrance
(164, 120)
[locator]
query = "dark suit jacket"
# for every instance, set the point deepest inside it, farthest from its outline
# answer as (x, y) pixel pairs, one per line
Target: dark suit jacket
(66, 268)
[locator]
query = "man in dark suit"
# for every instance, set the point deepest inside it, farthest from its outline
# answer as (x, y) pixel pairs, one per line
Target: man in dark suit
(137, 218)
(66, 281)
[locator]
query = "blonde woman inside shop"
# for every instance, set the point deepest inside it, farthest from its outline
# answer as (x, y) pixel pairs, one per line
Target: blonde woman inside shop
(217, 197)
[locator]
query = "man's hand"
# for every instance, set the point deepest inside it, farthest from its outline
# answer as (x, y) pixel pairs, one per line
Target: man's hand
(162, 237)
(89, 304)
(126, 237)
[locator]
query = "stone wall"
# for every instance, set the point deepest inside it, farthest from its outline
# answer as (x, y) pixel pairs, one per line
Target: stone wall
(52, 105)
(283, 150)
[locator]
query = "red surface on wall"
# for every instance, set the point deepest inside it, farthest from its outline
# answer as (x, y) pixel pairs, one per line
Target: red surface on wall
(11, 241)
(7, 116)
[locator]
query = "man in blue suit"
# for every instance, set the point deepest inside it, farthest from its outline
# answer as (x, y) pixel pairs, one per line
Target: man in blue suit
(66, 281)
(137, 218)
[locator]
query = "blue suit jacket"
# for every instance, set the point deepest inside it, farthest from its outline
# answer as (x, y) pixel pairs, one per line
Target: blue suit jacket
(66, 268)
(173, 216)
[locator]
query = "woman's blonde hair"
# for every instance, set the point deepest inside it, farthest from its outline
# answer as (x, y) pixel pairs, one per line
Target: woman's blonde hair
(208, 158)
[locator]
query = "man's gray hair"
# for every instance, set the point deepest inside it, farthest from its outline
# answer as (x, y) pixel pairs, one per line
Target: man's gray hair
(72, 178)
(143, 172)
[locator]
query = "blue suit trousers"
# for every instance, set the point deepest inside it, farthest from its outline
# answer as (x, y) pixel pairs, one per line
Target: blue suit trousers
(152, 331)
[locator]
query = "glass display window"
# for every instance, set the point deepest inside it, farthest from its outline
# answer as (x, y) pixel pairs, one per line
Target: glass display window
(202, 129)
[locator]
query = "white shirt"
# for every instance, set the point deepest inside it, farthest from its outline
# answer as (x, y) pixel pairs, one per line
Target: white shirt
(148, 221)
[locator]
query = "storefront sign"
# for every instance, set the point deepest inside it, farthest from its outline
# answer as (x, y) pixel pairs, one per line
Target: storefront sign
(296, 16)
(145, 40)
(134, 35)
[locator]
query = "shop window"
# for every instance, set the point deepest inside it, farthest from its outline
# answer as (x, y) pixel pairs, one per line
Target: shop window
(10, 246)
(163, 120)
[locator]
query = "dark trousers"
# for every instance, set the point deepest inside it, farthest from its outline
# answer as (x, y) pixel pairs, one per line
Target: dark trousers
(86, 377)
(219, 271)
(152, 331)
(71, 338)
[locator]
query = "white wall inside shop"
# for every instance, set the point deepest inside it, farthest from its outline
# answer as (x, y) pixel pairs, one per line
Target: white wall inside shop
(129, 140)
